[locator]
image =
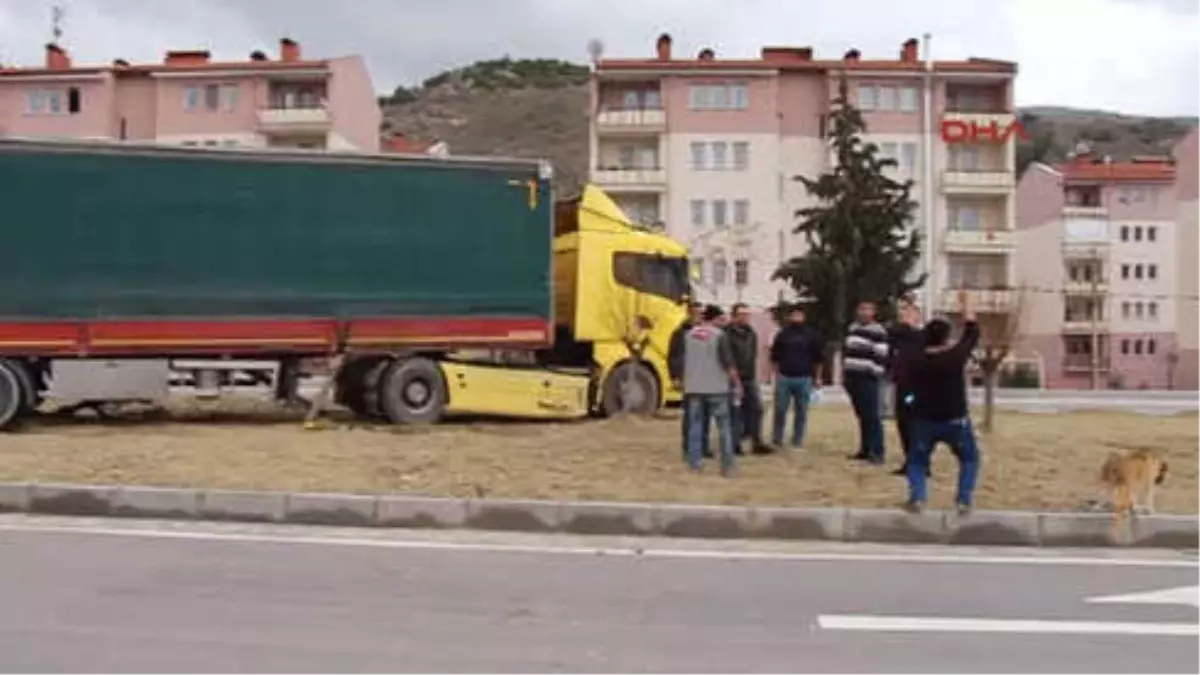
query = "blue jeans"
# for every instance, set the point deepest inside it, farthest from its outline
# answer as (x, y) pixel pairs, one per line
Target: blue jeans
(701, 409)
(863, 391)
(747, 418)
(796, 391)
(686, 417)
(959, 434)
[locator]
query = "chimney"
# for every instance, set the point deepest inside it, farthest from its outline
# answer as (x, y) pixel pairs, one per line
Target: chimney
(787, 54)
(663, 47)
(852, 56)
(57, 58)
(908, 51)
(289, 50)
(706, 54)
(187, 57)
(257, 55)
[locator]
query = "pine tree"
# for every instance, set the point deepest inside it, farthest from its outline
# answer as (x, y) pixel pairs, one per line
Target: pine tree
(860, 243)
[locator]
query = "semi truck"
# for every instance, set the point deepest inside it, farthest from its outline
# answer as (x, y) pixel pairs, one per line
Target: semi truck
(424, 287)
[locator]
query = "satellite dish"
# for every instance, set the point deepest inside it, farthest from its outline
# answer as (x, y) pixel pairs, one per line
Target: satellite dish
(595, 49)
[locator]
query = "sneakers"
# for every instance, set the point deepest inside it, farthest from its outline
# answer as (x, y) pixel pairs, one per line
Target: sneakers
(963, 509)
(914, 507)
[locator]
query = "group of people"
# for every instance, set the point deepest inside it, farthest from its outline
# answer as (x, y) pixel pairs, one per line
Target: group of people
(714, 360)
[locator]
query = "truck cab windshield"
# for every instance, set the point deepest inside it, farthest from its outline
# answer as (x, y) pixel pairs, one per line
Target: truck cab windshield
(653, 273)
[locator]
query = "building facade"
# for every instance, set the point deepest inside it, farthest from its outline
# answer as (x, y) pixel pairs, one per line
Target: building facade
(708, 149)
(189, 99)
(1108, 258)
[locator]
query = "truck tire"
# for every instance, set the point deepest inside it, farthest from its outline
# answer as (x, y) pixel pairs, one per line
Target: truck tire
(12, 394)
(412, 391)
(31, 398)
(353, 385)
(632, 388)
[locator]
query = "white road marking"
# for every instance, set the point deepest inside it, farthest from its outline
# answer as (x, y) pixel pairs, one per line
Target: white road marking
(916, 624)
(1184, 595)
(390, 540)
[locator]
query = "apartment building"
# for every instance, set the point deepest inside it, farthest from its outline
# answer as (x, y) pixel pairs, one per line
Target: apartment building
(1105, 254)
(707, 148)
(1187, 223)
(189, 99)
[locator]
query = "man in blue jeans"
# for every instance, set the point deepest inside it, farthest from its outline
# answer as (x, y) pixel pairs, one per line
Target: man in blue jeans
(709, 377)
(796, 356)
(942, 412)
(864, 362)
(748, 416)
(675, 369)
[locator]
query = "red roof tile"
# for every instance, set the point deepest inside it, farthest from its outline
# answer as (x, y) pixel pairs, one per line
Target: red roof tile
(1119, 172)
(973, 65)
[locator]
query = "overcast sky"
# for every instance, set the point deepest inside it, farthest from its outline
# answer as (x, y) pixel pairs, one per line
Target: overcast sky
(1134, 56)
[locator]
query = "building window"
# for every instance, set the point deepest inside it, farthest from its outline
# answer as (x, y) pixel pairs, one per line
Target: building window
(965, 218)
(718, 97)
(632, 101)
(652, 100)
(697, 208)
(46, 101)
(741, 156)
(229, 143)
(1151, 347)
(1138, 310)
(1151, 233)
(699, 155)
(191, 98)
(1124, 346)
(1152, 271)
(1124, 233)
(908, 156)
(74, 100)
(741, 212)
(228, 95)
(908, 99)
(1137, 233)
(1137, 271)
(887, 151)
(1124, 271)
(741, 272)
(720, 155)
(1137, 347)
(1125, 309)
(719, 213)
(1152, 310)
(625, 157)
(720, 272)
(887, 98)
(866, 97)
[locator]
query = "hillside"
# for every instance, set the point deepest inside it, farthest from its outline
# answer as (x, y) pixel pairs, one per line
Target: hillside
(538, 109)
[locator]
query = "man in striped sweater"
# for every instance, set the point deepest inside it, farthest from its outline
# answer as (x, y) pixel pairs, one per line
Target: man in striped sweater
(864, 362)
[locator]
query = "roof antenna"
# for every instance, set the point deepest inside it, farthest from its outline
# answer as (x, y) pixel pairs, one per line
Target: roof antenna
(57, 13)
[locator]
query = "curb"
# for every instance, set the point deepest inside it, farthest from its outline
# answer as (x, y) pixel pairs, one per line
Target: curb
(982, 528)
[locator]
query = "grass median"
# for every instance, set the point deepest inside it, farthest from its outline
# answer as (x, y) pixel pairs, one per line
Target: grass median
(1031, 461)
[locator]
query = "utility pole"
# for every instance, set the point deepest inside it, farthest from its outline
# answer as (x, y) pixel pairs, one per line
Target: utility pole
(1096, 307)
(928, 208)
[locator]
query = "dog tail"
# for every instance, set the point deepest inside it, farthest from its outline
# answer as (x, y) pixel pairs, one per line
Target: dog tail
(1110, 472)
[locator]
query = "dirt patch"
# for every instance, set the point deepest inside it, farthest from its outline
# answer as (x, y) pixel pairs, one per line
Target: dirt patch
(1031, 461)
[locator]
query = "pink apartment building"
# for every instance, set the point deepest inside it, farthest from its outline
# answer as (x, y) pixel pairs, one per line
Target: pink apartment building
(1108, 252)
(708, 147)
(189, 99)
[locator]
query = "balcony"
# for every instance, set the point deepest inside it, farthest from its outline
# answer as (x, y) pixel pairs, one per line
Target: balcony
(1080, 324)
(979, 241)
(978, 181)
(983, 300)
(315, 118)
(1082, 363)
(631, 179)
(1080, 211)
(1002, 120)
(1085, 288)
(617, 120)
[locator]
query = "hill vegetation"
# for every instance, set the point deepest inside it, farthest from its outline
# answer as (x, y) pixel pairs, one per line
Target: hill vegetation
(538, 108)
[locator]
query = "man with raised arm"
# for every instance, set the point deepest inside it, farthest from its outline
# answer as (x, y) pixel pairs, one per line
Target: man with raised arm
(941, 405)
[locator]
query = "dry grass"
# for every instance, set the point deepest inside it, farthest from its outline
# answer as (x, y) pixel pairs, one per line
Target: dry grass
(1030, 462)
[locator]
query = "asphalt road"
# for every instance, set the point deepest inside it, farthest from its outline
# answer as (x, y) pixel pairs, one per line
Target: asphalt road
(94, 595)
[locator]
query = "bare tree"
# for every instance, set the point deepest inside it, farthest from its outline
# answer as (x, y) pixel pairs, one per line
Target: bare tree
(999, 332)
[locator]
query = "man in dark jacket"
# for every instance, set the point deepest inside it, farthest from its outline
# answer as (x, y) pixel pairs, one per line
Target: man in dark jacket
(796, 356)
(942, 411)
(675, 365)
(906, 342)
(747, 416)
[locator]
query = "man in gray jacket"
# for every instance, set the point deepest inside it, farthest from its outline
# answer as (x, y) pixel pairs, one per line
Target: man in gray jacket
(709, 376)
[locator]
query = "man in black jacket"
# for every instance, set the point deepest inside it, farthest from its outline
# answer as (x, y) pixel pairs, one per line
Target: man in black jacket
(942, 412)
(748, 414)
(796, 356)
(906, 342)
(675, 365)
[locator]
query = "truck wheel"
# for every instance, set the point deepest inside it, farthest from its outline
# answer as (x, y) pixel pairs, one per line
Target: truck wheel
(631, 388)
(12, 395)
(352, 386)
(31, 398)
(412, 391)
